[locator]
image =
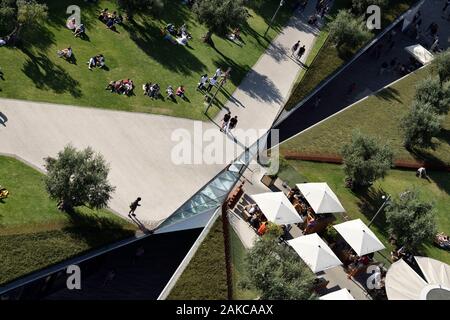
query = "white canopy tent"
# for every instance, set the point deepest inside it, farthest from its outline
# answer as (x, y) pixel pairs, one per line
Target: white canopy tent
(359, 237)
(403, 283)
(320, 197)
(420, 53)
(315, 252)
(341, 294)
(277, 208)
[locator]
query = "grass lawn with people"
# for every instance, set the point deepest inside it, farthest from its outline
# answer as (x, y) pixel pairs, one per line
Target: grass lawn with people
(379, 116)
(34, 234)
(137, 51)
(365, 204)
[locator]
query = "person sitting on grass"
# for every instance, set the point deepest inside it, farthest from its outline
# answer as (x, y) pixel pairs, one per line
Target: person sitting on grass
(65, 53)
(146, 87)
(170, 93)
(92, 63)
(154, 91)
(103, 16)
(79, 31)
(443, 241)
(100, 61)
(71, 24)
(180, 92)
(127, 87)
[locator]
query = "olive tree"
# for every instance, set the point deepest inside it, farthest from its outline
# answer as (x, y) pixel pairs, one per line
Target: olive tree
(348, 30)
(276, 271)
(420, 126)
(435, 93)
(366, 159)
(76, 178)
(411, 220)
(219, 15)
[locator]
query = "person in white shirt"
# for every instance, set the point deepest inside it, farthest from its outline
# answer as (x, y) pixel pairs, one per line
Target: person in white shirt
(212, 83)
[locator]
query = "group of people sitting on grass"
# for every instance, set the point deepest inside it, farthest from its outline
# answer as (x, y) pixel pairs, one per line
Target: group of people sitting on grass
(110, 19)
(97, 61)
(3, 193)
(177, 36)
(124, 87)
(153, 91)
(77, 30)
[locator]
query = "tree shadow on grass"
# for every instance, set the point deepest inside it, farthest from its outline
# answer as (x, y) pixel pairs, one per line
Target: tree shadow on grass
(389, 94)
(174, 57)
(369, 201)
(95, 230)
(48, 76)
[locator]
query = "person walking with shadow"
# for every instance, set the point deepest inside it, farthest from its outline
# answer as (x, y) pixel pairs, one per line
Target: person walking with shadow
(225, 120)
(301, 52)
(231, 124)
(294, 48)
(133, 207)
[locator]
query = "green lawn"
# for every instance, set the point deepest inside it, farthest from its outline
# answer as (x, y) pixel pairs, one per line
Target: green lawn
(238, 253)
(205, 277)
(386, 108)
(35, 234)
(137, 51)
(363, 205)
(329, 58)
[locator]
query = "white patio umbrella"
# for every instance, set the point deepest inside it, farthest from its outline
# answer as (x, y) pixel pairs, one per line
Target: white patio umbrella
(320, 197)
(341, 294)
(315, 252)
(359, 237)
(277, 208)
(403, 283)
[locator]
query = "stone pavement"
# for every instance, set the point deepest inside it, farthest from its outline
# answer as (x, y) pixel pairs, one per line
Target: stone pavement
(139, 147)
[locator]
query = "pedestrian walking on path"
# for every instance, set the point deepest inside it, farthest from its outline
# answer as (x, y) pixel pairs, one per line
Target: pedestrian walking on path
(231, 124)
(295, 47)
(133, 207)
(301, 52)
(225, 120)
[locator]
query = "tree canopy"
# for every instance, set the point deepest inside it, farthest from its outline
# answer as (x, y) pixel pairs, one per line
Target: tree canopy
(219, 15)
(360, 6)
(411, 220)
(366, 159)
(78, 178)
(420, 126)
(348, 30)
(437, 94)
(277, 272)
(441, 65)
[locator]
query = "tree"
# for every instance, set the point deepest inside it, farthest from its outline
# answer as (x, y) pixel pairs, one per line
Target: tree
(77, 178)
(7, 16)
(220, 15)
(365, 159)
(437, 94)
(411, 221)
(30, 13)
(360, 6)
(420, 126)
(347, 30)
(132, 6)
(277, 272)
(441, 65)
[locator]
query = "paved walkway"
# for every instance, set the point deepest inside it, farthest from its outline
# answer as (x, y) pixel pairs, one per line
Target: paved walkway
(139, 147)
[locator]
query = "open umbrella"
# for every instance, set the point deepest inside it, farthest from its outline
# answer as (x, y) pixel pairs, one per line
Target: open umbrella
(320, 197)
(315, 252)
(277, 208)
(342, 294)
(359, 237)
(403, 283)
